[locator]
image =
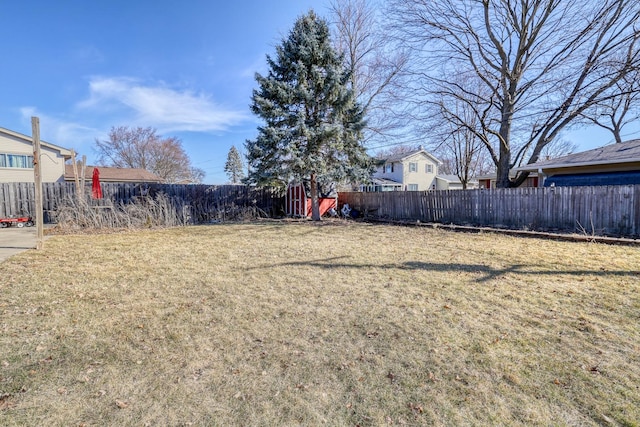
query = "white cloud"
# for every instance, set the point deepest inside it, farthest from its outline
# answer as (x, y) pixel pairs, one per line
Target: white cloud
(67, 134)
(158, 106)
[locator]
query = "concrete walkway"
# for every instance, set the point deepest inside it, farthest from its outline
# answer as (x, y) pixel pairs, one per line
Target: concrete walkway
(14, 240)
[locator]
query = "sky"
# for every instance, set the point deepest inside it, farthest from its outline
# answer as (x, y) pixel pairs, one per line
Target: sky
(184, 68)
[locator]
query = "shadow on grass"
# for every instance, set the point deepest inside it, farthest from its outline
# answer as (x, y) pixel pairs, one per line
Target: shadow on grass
(489, 273)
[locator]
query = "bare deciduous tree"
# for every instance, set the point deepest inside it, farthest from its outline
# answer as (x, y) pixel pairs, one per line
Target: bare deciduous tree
(144, 148)
(558, 148)
(615, 113)
(375, 66)
(196, 175)
(462, 154)
(458, 146)
(542, 63)
(396, 150)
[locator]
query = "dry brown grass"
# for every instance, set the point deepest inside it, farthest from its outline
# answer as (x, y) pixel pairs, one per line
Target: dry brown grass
(338, 324)
(76, 213)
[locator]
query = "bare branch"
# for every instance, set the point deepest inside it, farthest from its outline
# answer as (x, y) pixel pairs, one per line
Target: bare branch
(375, 67)
(143, 148)
(540, 66)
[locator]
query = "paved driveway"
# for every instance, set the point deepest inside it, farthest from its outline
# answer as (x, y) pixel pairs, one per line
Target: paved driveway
(14, 240)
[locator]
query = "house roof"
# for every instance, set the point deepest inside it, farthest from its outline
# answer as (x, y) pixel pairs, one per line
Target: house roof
(624, 152)
(512, 174)
(449, 178)
(404, 156)
(385, 181)
(109, 174)
(29, 140)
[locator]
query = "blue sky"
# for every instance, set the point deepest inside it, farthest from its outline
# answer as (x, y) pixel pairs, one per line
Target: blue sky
(184, 68)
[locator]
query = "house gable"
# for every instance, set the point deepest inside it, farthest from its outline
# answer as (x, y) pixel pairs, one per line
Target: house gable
(16, 158)
(411, 171)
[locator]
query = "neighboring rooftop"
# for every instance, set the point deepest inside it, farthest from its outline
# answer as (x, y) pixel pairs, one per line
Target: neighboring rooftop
(451, 178)
(385, 181)
(402, 156)
(624, 152)
(110, 174)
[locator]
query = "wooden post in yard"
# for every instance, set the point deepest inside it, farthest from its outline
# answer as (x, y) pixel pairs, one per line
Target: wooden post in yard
(75, 171)
(37, 172)
(82, 177)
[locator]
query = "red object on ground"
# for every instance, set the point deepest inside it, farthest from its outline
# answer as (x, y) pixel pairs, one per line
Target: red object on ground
(325, 205)
(298, 204)
(18, 222)
(96, 189)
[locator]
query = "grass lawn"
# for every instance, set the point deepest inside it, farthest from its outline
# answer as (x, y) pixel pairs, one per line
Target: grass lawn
(334, 324)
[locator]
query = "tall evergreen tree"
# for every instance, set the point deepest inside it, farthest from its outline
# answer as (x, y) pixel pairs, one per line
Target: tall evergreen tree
(313, 124)
(233, 166)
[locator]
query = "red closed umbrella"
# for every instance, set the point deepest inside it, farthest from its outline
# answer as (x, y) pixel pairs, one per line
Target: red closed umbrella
(96, 189)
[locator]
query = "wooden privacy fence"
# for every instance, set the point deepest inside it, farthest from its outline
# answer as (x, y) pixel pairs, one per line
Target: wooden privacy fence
(603, 210)
(204, 202)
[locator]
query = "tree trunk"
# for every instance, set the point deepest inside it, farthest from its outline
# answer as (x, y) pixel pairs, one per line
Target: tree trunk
(315, 202)
(617, 133)
(504, 161)
(502, 172)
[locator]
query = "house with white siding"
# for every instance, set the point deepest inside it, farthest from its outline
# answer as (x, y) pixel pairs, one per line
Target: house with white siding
(413, 171)
(16, 158)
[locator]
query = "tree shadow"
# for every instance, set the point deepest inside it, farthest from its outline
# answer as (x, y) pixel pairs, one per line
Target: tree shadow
(487, 273)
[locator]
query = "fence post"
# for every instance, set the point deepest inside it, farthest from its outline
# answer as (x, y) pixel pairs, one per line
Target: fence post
(35, 128)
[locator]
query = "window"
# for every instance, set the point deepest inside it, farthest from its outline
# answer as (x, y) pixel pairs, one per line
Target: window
(388, 168)
(413, 167)
(412, 187)
(428, 168)
(19, 161)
